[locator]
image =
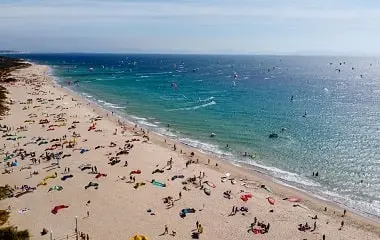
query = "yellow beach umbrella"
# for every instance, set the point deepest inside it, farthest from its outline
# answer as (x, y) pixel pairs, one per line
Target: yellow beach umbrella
(139, 237)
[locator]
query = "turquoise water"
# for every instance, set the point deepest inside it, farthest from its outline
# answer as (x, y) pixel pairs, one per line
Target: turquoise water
(243, 99)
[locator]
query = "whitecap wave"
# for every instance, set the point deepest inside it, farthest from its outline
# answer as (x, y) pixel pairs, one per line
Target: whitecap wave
(206, 100)
(145, 123)
(138, 118)
(193, 108)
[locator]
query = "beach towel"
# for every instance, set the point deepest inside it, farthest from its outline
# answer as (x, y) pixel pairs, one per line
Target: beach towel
(42, 183)
(177, 176)
(66, 177)
(57, 208)
(100, 175)
(246, 196)
(50, 176)
(271, 200)
(139, 184)
(135, 172)
(83, 150)
(43, 142)
(23, 210)
(158, 184)
(92, 184)
(185, 211)
(292, 199)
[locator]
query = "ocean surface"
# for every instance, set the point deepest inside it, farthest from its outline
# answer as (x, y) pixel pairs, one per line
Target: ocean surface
(324, 110)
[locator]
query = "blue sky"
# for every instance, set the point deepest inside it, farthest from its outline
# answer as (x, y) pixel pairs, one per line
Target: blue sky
(192, 26)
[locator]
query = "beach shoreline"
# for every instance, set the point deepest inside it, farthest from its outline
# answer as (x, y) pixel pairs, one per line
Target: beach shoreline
(204, 155)
(313, 204)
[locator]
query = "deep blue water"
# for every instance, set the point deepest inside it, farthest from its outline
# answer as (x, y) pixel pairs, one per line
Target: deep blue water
(243, 99)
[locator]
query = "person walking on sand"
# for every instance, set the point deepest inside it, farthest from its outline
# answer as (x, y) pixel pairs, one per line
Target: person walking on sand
(314, 227)
(341, 225)
(166, 230)
(180, 195)
(88, 213)
(197, 224)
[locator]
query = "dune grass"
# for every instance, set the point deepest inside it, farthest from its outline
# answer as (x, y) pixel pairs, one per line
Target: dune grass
(11, 233)
(5, 191)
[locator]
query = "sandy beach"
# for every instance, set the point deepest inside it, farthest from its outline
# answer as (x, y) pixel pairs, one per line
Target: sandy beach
(123, 180)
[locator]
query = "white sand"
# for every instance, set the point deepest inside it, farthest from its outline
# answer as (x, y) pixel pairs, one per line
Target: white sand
(117, 210)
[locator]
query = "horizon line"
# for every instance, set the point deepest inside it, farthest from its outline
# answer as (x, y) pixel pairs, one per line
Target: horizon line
(14, 52)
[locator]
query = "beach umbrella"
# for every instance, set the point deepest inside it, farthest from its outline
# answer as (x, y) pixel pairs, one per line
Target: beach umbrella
(57, 188)
(139, 237)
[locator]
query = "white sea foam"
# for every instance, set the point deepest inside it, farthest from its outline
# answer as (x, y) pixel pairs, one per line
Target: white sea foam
(138, 118)
(284, 175)
(145, 123)
(203, 146)
(193, 108)
(165, 132)
(206, 100)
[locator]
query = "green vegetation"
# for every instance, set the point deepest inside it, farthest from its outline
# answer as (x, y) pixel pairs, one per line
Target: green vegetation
(4, 215)
(5, 191)
(7, 65)
(11, 233)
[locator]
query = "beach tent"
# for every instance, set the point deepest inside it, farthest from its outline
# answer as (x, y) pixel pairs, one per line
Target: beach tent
(139, 237)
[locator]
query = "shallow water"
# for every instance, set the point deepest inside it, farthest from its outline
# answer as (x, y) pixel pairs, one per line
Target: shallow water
(243, 99)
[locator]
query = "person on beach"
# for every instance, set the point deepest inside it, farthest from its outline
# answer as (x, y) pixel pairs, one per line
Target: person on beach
(341, 225)
(200, 228)
(166, 230)
(180, 195)
(344, 213)
(314, 227)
